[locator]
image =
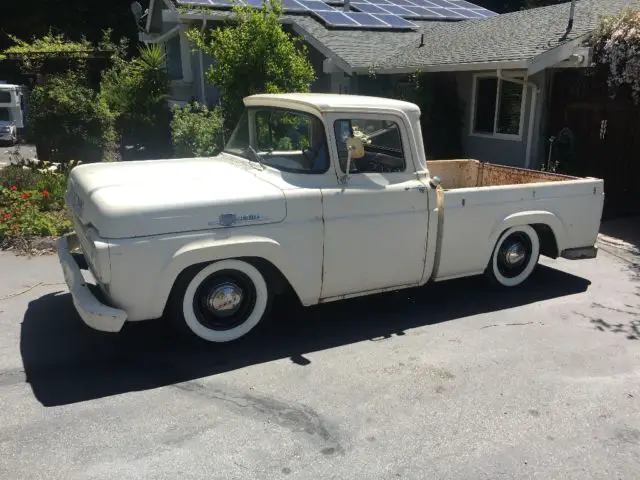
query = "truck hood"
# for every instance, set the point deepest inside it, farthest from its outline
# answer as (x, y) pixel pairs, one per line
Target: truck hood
(151, 197)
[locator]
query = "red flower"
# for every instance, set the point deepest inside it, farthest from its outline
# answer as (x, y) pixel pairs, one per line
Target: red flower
(6, 217)
(24, 195)
(14, 188)
(45, 193)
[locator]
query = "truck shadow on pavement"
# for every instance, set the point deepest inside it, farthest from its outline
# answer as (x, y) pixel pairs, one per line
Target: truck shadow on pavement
(66, 362)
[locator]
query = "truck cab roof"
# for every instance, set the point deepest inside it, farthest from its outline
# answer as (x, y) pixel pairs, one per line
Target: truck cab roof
(330, 102)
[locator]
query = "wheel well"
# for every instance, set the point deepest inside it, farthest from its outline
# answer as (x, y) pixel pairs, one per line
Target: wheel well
(275, 279)
(548, 242)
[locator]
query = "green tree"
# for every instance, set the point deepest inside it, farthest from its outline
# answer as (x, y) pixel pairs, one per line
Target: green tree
(69, 121)
(196, 131)
(136, 92)
(32, 55)
(254, 55)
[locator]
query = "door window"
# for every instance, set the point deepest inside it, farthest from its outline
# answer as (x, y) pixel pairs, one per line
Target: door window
(382, 145)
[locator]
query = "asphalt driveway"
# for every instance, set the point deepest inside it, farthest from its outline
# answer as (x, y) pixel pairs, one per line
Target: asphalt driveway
(449, 381)
(6, 151)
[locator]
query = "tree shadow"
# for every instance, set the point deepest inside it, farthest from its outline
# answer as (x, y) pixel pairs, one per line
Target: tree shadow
(625, 230)
(66, 362)
(630, 330)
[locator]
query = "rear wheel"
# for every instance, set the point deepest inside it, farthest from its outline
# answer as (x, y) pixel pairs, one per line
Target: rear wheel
(515, 256)
(222, 302)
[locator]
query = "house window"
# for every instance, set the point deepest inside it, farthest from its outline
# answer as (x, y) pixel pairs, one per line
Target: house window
(174, 58)
(497, 107)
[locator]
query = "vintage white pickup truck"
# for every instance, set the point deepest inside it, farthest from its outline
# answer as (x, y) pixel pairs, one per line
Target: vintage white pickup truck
(329, 196)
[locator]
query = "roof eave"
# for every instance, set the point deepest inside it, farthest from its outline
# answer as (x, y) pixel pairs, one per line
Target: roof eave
(557, 55)
(519, 64)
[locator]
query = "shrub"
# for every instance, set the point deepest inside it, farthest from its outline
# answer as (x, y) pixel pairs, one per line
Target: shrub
(69, 121)
(196, 131)
(25, 213)
(616, 46)
(22, 178)
(29, 180)
(136, 92)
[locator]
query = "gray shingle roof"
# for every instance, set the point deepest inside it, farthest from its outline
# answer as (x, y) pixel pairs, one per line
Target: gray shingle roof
(513, 36)
(358, 48)
(519, 35)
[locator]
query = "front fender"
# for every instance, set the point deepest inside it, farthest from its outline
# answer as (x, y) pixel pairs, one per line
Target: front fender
(209, 250)
(528, 218)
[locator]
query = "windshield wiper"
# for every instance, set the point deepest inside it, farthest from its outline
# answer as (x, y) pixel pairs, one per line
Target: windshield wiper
(255, 155)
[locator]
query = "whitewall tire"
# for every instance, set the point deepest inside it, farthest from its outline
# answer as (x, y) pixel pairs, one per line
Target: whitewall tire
(222, 302)
(514, 257)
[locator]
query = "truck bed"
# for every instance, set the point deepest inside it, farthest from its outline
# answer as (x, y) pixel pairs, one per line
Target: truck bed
(475, 199)
(473, 173)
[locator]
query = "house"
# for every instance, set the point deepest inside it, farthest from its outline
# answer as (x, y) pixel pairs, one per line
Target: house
(503, 67)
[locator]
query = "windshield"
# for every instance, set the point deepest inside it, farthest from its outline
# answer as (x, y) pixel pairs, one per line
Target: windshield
(287, 140)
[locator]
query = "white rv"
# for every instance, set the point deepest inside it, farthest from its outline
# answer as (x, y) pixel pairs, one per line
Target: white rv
(11, 114)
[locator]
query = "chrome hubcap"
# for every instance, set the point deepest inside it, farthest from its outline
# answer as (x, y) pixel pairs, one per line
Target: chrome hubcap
(225, 299)
(515, 254)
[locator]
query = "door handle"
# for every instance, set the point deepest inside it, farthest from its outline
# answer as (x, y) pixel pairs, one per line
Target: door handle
(419, 188)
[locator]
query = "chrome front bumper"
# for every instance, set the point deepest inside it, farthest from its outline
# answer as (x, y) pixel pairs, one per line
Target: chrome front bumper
(93, 312)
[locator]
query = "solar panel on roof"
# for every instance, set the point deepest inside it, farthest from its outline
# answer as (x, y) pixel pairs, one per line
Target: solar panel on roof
(403, 12)
(293, 6)
(466, 13)
(316, 5)
(220, 3)
(485, 12)
(422, 12)
(336, 19)
(366, 19)
(374, 14)
(438, 3)
(368, 7)
(396, 21)
(463, 4)
(447, 12)
(196, 2)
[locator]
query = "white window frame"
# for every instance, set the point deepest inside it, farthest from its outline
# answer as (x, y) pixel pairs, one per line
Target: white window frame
(495, 134)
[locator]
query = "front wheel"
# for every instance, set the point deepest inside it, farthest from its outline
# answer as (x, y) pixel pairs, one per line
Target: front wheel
(222, 302)
(515, 256)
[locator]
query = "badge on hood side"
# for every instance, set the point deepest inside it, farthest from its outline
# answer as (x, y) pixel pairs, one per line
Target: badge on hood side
(229, 219)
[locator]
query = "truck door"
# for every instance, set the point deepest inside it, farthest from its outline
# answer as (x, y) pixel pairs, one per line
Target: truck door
(375, 224)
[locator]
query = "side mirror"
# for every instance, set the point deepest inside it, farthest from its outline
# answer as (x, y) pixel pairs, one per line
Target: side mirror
(355, 149)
